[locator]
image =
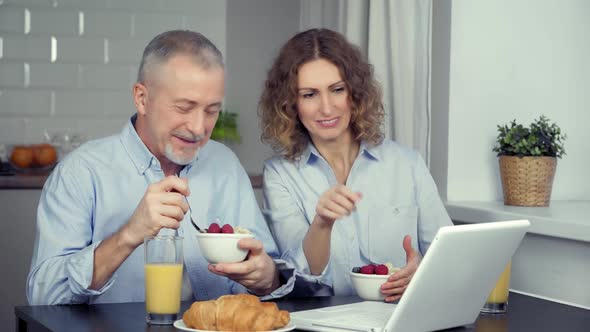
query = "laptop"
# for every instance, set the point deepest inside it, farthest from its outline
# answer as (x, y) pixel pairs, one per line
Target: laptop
(449, 288)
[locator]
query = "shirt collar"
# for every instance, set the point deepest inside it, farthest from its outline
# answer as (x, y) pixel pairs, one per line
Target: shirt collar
(138, 152)
(372, 152)
(311, 153)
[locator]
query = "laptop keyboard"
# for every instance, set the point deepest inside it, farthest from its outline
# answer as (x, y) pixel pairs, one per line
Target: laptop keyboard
(368, 318)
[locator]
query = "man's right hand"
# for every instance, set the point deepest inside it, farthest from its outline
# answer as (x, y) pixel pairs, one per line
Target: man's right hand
(163, 206)
(335, 203)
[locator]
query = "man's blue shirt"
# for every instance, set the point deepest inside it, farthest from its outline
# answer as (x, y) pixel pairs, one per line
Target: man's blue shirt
(94, 191)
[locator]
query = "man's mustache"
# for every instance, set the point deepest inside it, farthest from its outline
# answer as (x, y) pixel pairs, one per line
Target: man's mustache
(188, 136)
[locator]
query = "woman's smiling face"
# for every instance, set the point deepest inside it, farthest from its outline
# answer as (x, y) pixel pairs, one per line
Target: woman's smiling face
(323, 102)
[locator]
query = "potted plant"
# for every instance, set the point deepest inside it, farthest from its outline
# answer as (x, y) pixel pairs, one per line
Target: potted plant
(226, 128)
(528, 158)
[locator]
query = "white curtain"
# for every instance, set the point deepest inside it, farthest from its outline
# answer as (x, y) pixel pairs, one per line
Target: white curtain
(396, 36)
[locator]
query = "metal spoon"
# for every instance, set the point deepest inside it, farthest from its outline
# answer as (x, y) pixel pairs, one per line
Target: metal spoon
(190, 214)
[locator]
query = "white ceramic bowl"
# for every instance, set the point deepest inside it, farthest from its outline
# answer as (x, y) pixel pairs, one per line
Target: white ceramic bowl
(368, 286)
(222, 247)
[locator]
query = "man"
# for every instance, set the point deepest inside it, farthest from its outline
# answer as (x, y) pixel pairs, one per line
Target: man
(103, 199)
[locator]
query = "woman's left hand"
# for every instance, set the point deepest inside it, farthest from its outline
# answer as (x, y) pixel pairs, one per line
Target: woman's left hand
(396, 284)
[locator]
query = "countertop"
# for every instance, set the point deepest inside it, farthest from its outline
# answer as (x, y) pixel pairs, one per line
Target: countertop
(10, 179)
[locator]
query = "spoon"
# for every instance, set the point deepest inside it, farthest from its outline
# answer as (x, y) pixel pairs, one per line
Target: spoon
(190, 214)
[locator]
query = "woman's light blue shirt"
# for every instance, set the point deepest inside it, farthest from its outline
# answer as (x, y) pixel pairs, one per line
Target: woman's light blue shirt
(399, 198)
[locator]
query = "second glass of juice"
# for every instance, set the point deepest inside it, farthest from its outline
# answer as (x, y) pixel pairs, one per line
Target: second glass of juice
(163, 278)
(497, 301)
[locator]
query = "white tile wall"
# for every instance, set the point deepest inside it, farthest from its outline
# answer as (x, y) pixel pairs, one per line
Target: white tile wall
(125, 51)
(31, 48)
(108, 76)
(54, 75)
(12, 130)
(80, 50)
(69, 65)
(105, 23)
(136, 4)
(57, 22)
(92, 103)
(31, 3)
(12, 75)
(12, 20)
(25, 102)
(37, 127)
(151, 24)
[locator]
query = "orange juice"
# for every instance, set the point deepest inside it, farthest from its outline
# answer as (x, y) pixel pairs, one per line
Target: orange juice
(500, 293)
(163, 284)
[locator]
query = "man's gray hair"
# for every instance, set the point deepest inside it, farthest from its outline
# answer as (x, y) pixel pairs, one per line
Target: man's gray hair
(170, 43)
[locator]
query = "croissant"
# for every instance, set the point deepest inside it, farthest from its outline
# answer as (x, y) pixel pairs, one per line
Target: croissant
(242, 312)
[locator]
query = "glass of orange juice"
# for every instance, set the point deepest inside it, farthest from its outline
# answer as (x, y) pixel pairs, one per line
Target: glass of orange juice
(497, 301)
(163, 278)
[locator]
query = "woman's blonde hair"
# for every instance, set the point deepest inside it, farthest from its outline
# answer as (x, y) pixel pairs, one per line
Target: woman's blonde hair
(281, 127)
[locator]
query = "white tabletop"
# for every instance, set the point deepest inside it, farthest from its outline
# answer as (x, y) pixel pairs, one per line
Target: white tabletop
(563, 219)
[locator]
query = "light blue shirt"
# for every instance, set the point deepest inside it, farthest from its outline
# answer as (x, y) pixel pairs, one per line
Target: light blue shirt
(399, 197)
(94, 191)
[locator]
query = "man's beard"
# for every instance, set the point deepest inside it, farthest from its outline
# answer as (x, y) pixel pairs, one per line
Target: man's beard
(178, 159)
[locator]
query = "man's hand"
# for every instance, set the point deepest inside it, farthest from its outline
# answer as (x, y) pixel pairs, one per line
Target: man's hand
(335, 203)
(397, 283)
(163, 206)
(258, 272)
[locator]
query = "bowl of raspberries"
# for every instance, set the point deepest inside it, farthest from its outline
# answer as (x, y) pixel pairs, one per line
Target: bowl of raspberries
(219, 243)
(367, 280)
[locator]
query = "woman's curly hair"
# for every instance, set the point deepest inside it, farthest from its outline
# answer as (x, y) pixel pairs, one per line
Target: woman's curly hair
(281, 127)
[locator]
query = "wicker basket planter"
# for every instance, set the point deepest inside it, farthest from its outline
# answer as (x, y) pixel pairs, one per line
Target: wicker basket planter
(527, 181)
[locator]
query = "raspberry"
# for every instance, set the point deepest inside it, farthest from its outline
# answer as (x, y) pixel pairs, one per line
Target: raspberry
(214, 228)
(227, 229)
(356, 269)
(381, 269)
(368, 269)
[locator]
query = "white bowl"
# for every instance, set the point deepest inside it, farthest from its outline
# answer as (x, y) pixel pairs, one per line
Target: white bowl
(368, 286)
(222, 247)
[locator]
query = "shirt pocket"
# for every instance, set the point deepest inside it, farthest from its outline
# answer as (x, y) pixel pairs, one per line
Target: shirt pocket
(387, 226)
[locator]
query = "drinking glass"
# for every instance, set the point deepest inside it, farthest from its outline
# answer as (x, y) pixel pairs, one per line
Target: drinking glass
(163, 278)
(497, 301)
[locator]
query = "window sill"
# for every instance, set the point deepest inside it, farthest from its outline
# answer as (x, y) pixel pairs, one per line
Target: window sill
(562, 219)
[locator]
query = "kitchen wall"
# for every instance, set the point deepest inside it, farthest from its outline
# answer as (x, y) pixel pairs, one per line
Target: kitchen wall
(256, 29)
(517, 60)
(69, 66)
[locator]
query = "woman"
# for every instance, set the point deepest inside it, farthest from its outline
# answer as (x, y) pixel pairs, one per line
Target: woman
(339, 195)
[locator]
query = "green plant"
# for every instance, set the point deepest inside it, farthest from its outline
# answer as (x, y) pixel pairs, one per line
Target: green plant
(541, 138)
(226, 128)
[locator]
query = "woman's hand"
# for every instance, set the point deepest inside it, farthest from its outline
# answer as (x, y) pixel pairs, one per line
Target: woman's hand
(337, 202)
(397, 283)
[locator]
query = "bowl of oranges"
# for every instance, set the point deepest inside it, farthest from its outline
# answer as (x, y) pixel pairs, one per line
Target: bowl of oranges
(33, 157)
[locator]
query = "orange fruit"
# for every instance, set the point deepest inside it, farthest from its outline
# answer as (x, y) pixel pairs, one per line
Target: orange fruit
(22, 156)
(44, 155)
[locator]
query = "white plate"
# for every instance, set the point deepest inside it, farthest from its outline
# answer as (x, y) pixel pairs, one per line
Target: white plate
(179, 324)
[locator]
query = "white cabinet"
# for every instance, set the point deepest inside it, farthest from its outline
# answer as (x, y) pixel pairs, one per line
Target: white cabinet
(18, 210)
